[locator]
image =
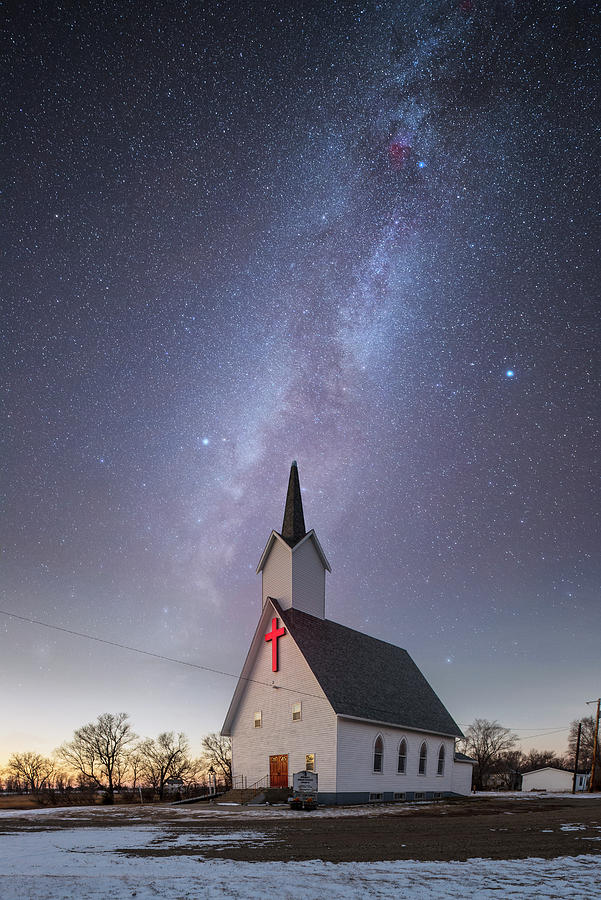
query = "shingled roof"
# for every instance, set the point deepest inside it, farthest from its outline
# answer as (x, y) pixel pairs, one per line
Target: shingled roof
(365, 678)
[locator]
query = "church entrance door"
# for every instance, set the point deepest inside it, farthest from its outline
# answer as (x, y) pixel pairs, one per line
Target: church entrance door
(278, 771)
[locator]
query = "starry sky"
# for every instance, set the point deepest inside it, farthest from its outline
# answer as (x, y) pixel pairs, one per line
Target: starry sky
(361, 235)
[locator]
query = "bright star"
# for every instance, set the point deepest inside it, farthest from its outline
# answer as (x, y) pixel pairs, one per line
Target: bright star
(421, 164)
(205, 442)
(510, 373)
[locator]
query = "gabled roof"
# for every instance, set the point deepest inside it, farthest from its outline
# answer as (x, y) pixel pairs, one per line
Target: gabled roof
(365, 678)
(293, 534)
(462, 758)
(555, 769)
(257, 641)
(275, 536)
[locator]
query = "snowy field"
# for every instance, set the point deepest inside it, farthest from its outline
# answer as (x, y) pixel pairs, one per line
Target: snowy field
(275, 811)
(196, 812)
(91, 862)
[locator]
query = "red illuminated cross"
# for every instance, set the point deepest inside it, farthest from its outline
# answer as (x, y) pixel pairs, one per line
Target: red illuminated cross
(273, 635)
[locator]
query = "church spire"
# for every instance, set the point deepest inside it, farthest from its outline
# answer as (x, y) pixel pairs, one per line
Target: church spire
(293, 526)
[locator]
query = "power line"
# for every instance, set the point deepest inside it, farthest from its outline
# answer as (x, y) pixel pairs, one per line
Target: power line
(181, 662)
(544, 733)
(551, 730)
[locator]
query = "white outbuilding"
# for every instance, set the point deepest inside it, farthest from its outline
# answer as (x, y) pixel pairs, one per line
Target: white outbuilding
(550, 778)
(315, 695)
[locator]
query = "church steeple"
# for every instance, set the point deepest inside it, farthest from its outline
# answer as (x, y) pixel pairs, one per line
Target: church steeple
(293, 526)
(293, 565)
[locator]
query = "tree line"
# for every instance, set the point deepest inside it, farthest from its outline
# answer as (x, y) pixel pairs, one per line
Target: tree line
(499, 763)
(107, 756)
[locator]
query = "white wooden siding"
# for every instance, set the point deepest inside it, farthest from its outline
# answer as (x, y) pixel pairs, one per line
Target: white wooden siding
(462, 778)
(277, 575)
(295, 577)
(314, 733)
(547, 779)
(308, 580)
(355, 760)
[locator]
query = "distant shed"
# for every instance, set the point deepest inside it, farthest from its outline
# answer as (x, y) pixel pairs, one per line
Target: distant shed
(551, 778)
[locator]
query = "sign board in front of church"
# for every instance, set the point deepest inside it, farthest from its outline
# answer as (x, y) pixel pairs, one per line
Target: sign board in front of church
(304, 782)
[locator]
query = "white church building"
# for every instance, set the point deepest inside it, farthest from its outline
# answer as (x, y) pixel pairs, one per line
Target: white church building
(316, 695)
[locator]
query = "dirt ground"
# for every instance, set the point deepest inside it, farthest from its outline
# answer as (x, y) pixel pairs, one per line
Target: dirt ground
(498, 828)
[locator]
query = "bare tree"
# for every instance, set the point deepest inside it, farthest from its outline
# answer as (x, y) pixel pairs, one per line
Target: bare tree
(98, 751)
(195, 775)
(32, 769)
(166, 756)
(539, 759)
(134, 767)
(218, 753)
(508, 768)
(587, 741)
(63, 781)
(486, 742)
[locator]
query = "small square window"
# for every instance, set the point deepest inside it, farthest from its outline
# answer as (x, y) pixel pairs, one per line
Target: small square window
(258, 719)
(310, 762)
(420, 796)
(375, 796)
(399, 795)
(296, 712)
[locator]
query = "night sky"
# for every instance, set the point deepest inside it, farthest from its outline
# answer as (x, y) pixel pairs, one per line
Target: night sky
(362, 236)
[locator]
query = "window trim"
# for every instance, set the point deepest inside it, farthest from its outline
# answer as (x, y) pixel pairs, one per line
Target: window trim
(398, 756)
(424, 757)
(297, 708)
(314, 769)
(258, 719)
(377, 738)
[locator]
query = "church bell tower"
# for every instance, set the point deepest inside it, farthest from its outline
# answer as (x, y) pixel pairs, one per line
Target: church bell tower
(293, 565)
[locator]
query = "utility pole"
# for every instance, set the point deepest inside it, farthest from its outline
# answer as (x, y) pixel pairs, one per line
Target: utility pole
(595, 740)
(576, 760)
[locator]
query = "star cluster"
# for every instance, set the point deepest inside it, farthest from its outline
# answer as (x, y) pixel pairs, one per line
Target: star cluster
(359, 235)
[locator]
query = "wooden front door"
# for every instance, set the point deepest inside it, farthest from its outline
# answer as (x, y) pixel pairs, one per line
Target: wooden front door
(278, 771)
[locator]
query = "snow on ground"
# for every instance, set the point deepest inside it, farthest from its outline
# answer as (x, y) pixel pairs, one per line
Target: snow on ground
(198, 811)
(239, 811)
(86, 863)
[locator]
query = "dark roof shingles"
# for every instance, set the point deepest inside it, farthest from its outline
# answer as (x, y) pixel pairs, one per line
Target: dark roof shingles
(461, 757)
(367, 678)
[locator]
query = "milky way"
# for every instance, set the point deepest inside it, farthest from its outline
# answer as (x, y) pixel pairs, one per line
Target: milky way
(358, 235)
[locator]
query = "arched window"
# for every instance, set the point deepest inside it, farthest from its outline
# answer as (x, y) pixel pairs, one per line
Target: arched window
(440, 769)
(402, 762)
(423, 759)
(378, 753)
